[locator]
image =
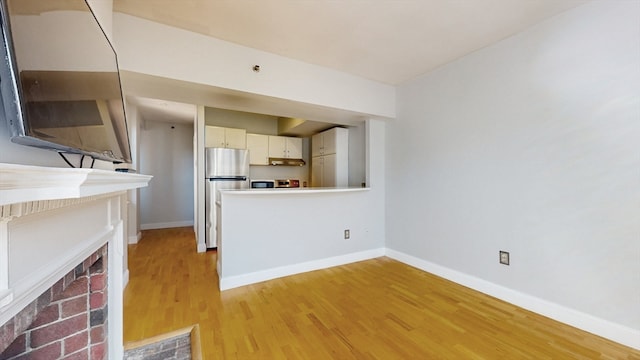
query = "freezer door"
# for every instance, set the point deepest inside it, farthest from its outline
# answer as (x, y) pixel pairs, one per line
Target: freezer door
(212, 195)
(226, 162)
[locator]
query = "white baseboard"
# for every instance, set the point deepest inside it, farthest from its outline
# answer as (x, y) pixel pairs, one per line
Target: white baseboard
(607, 329)
(165, 225)
(125, 279)
(134, 239)
(251, 278)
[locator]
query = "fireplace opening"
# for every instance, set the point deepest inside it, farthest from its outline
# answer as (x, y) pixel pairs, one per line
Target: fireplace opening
(67, 321)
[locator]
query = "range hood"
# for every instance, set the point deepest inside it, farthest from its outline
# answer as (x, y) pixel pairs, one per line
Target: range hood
(286, 162)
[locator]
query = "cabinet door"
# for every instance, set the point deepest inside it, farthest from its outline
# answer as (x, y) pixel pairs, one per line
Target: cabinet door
(214, 136)
(277, 146)
(329, 174)
(329, 141)
(258, 146)
(236, 138)
(294, 148)
(317, 164)
(316, 145)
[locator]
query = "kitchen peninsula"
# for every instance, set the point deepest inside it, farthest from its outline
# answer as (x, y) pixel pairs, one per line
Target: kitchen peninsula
(266, 234)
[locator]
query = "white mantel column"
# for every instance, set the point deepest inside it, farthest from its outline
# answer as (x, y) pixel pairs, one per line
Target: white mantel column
(51, 219)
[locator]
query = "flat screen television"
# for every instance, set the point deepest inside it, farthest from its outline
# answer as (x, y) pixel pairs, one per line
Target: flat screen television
(59, 80)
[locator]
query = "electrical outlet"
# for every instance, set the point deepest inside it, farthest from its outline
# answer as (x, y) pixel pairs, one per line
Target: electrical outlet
(504, 257)
(347, 234)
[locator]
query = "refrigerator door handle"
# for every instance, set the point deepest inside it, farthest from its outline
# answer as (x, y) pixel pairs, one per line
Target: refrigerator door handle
(228, 178)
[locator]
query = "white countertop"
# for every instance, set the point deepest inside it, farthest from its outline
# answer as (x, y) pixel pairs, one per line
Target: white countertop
(292, 191)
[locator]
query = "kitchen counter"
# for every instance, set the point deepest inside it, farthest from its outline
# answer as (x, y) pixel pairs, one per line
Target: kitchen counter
(269, 233)
(302, 190)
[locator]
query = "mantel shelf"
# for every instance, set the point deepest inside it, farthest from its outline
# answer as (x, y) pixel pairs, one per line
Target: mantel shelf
(23, 183)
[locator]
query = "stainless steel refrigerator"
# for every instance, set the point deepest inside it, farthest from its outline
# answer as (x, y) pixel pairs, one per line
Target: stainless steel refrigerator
(224, 169)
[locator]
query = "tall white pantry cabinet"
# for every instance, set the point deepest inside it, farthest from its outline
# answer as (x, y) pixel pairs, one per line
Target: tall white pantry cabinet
(330, 158)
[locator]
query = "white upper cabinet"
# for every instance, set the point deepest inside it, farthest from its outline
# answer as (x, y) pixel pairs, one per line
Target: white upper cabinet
(277, 147)
(317, 144)
(326, 142)
(236, 138)
(258, 146)
(285, 147)
(216, 136)
(294, 148)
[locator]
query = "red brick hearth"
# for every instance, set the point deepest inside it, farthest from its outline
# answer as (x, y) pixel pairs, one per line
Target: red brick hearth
(68, 321)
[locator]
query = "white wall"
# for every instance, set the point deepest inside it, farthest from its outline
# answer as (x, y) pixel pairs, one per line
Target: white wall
(167, 154)
(529, 146)
(159, 50)
(253, 123)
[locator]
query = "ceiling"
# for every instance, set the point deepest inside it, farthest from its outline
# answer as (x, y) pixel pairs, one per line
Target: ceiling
(164, 110)
(389, 41)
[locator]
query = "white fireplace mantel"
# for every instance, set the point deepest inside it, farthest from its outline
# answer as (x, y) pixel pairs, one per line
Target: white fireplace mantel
(53, 218)
(23, 183)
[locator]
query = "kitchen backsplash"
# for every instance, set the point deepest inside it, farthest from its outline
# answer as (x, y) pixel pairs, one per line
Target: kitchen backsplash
(262, 172)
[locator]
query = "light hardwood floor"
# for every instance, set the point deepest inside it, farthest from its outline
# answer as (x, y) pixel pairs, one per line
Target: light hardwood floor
(375, 309)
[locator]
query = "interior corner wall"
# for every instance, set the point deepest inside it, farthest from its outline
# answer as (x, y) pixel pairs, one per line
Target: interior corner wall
(166, 153)
(529, 146)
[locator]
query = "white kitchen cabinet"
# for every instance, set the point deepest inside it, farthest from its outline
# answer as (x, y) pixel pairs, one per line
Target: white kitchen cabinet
(285, 147)
(258, 146)
(328, 142)
(317, 167)
(216, 136)
(330, 160)
(317, 144)
(294, 148)
(325, 172)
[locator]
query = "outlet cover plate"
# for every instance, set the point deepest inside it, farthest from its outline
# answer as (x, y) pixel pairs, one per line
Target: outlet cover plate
(504, 257)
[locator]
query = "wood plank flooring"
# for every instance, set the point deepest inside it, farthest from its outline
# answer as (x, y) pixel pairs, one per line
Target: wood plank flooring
(375, 309)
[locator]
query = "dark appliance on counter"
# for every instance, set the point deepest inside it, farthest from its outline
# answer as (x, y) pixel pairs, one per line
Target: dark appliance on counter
(262, 184)
(287, 183)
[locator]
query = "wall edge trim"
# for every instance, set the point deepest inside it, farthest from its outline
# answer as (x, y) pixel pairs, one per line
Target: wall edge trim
(165, 225)
(231, 282)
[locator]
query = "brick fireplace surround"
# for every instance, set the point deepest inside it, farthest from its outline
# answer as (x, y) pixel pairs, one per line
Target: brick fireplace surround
(68, 321)
(63, 262)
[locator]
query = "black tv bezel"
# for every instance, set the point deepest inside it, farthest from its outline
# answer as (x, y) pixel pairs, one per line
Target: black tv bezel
(14, 106)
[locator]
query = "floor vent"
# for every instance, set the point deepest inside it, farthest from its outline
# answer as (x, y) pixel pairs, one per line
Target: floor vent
(181, 344)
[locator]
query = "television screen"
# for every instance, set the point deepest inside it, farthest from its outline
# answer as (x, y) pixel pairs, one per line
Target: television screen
(59, 80)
